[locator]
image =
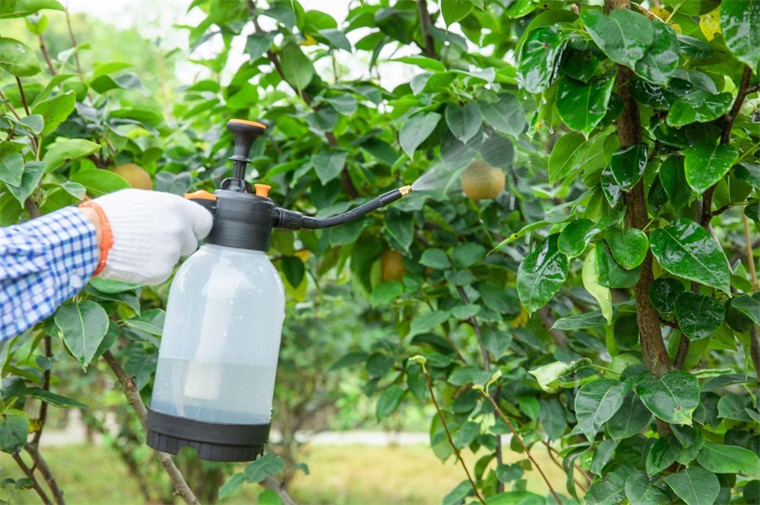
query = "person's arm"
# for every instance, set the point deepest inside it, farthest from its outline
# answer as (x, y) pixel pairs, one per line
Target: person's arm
(131, 235)
(43, 263)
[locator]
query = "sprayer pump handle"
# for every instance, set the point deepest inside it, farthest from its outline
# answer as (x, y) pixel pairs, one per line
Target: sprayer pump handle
(244, 132)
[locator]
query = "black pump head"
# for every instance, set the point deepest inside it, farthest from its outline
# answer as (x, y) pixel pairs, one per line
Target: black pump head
(244, 132)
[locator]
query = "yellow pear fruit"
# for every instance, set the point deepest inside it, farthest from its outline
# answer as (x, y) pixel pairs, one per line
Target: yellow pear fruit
(135, 175)
(481, 181)
(392, 263)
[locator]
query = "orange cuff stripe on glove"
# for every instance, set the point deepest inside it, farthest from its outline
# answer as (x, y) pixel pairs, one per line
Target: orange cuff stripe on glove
(106, 235)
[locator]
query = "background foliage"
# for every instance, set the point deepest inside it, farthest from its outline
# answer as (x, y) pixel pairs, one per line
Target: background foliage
(604, 306)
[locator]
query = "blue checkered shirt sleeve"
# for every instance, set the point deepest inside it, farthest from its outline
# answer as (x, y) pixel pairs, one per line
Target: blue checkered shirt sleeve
(43, 263)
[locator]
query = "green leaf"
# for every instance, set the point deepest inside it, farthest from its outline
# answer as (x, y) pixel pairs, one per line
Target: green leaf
(626, 332)
(734, 406)
(506, 115)
(14, 428)
(17, 58)
(268, 497)
(541, 274)
(467, 255)
(258, 44)
(51, 398)
(435, 258)
(687, 250)
(596, 402)
(83, 326)
(416, 129)
(695, 486)
(293, 269)
(672, 398)
(663, 294)
(575, 237)
(673, 178)
(698, 316)
(20, 8)
(627, 165)
(464, 488)
(296, 66)
(231, 485)
(389, 401)
(749, 173)
(71, 149)
(329, 164)
(706, 163)
(641, 490)
(266, 466)
(455, 10)
(728, 459)
(31, 177)
(548, 376)
(150, 321)
(752, 211)
(98, 182)
(602, 294)
(662, 454)
(698, 107)
(630, 420)
(661, 59)
(423, 62)
(344, 104)
(629, 246)
(539, 58)
(582, 106)
(610, 490)
(12, 171)
(386, 292)
(35, 123)
(625, 36)
(747, 306)
(464, 122)
(429, 321)
(611, 274)
(566, 155)
(739, 22)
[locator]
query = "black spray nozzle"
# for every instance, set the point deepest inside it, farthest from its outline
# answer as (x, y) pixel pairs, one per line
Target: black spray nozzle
(285, 219)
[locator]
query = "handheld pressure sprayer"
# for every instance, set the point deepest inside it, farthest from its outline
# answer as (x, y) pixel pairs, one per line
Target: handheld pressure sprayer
(218, 358)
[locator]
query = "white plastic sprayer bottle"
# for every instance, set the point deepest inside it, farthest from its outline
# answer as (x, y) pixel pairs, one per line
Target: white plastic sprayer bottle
(221, 339)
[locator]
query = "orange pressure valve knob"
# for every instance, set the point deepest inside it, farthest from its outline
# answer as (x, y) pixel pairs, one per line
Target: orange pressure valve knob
(262, 190)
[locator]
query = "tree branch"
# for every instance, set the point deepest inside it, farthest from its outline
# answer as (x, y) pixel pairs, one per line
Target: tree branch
(46, 54)
(74, 43)
(448, 435)
(47, 474)
(8, 103)
(522, 444)
(135, 401)
(425, 24)
(30, 475)
(345, 178)
(272, 484)
(754, 338)
(23, 96)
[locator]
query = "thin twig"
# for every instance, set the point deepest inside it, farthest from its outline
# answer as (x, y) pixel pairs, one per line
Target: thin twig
(683, 352)
(35, 485)
(272, 484)
(754, 338)
(23, 96)
(519, 439)
(8, 103)
(135, 401)
(74, 43)
(47, 474)
(46, 54)
(744, 90)
(553, 454)
(448, 435)
(641, 10)
(46, 374)
(422, 11)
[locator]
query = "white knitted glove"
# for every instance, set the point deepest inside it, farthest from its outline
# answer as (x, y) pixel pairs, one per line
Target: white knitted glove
(151, 231)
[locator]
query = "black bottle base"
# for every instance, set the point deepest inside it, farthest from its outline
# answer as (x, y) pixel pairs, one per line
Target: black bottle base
(212, 441)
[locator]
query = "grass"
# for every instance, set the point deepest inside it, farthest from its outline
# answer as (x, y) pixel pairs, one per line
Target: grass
(339, 475)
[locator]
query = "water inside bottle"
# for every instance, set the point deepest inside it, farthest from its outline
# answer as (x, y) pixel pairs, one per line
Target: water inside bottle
(214, 392)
